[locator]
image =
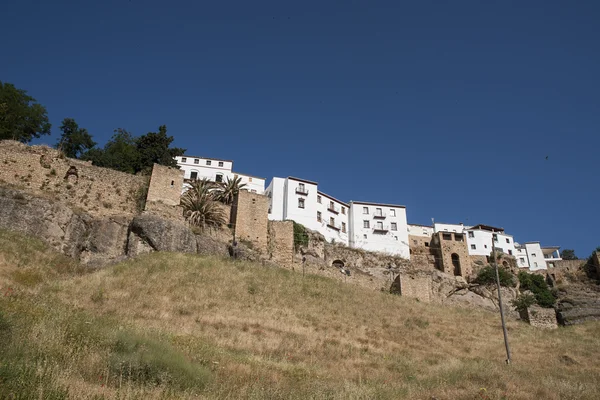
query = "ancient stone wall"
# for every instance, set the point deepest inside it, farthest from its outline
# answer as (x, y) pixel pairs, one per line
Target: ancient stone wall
(542, 317)
(44, 171)
(416, 286)
(445, 245)
(281, 242)
(164, 192)
(249, 217)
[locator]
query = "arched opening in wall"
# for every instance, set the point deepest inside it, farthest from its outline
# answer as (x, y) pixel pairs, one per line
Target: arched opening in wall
(456, 264)
(504, 264)
(337, 264)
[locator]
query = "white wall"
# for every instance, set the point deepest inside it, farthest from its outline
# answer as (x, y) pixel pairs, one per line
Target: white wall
(420, 230)
(521, 255)
(482, 241)
(275, 193)
(535, 256)
(439, 227)
(391, 241)
(253, 183)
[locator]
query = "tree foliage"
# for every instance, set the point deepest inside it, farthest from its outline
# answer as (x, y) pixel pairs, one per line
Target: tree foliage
(200, 207)
(153, 147)
(74, 141)
(523, 302)
(21, 117)
(226, 191)
(487, 276)
(568, 254)
(538, 286)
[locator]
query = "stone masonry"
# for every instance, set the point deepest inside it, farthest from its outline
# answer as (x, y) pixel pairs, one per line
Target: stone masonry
(452, 254)
(249, 219)
(542, 317)
(416, 286)
(45, 171)
(281, 242)
(164, 192)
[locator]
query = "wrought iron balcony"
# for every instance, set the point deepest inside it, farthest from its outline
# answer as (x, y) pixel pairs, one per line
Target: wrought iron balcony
(334, 226)
(381, 229)
(301, 190)
(333, 208)
(379, 215)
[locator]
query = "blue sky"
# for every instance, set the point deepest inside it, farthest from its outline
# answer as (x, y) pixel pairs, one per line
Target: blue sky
(449, 108)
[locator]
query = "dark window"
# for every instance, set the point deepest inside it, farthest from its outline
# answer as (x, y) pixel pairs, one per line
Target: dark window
(220, 163)
(471, 234)
(507, 240)
(473, 247)
(183, 159)
(510, 252)
(458, 237)
(447, 236)
(426, 244)
(456, 264)
(193, 175)
(196, 161)
(319, 216)
(219, 178)
(366, 224)
(208, 162)
(344, 227)
(300, 203)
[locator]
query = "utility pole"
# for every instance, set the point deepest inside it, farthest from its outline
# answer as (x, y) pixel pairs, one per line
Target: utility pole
(500, 300)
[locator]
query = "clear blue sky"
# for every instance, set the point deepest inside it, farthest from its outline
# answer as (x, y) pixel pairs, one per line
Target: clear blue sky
(449, 108)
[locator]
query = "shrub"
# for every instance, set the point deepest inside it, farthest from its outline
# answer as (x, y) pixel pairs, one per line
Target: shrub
(487, 276)
(538, 286)
(522, 302)
(300, 235)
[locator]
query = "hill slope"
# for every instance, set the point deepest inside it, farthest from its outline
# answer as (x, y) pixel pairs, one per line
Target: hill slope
(183, 326)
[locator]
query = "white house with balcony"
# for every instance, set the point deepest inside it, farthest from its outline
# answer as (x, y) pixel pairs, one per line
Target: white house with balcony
(379, 227)
(551, 254)
(480, 238)
(217, 170)
(300, 200)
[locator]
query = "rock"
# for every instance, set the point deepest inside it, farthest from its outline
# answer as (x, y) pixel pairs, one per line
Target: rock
(106, 241)
(578, 303)
(161, 235)
(208, 245)
(242, 252)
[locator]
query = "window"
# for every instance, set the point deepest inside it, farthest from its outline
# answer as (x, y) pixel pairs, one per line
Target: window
(522, 260)
(458, 237)
(380, 225)
(495, 237)
(446, 236)
(426, 244)
(507, 240)
(344, 210)
(344, 227)
(331, 221)
(394, 226)
(208, 162)
(301, 187)
(319, 199)
(365, 210)
(319, 216)
(300, 203)
(473, 247)
(219, 178)
(535, 264)
(532, 254)
(510, 252)
(366, 224)
(471, 234)
(365, 236)
(172, 183)
(183, 159)
(196, 161)
(392, 213)
(378, 212)
(194, 175)
(331, 206)
(485, 246)
(220, 163)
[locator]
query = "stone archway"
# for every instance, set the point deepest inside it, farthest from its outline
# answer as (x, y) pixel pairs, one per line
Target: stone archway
(337, 263)
(456, 264)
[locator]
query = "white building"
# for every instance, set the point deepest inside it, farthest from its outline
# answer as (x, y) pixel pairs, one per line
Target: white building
(551, 254)
(480, 237)
(379, 227)
(300, 200)
(420, 230)
(441, 227)
(217, 170)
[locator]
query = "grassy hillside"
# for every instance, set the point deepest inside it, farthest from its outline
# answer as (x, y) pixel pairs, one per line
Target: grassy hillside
(183, 326)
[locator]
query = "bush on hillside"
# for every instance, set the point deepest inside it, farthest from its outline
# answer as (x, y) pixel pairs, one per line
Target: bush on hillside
(300, 236)
(538, 286)
(487, 276)
(523, 302)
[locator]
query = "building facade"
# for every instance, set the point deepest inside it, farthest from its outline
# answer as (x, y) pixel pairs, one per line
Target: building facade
(217, 170)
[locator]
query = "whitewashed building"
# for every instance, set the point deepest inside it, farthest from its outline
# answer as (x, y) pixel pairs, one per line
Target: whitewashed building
(442, 227)
(420, 230)
(551, 254)
(217, 170)
(379, 227)
(480, 238)
(300, 200)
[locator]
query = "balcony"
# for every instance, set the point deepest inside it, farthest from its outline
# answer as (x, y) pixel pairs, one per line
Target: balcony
(381, 229)
(334, 226)
(379, 215)
(302, 190)
(333, 209)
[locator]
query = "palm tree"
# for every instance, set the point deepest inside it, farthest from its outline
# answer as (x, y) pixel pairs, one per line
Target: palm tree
(229, 189)
(200, 207)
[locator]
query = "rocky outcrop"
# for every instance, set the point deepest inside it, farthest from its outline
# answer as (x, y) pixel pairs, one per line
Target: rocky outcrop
(150, 231)
(578, 303)
(105, 241)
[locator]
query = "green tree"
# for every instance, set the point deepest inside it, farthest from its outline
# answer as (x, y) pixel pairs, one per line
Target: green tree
(487, 276)
(568, 254)
(74, 141)
(21, 117)
(226, 191)
(200, 207)
(538, 286)
(119, 153)
(154, 147)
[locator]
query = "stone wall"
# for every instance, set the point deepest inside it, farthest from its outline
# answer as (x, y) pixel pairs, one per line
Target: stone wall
(596, 261)
(416, 286)
(445, 248)
(249, 218)
(542, 317)
(44, 171)
(281, 242)
(164, 192)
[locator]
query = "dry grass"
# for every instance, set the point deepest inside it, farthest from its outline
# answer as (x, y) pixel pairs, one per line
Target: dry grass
(258, 332)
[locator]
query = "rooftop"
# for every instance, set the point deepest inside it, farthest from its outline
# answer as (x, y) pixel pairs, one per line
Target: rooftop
(331, 198)
(377, 204)
(302, 180)
(205, 158)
